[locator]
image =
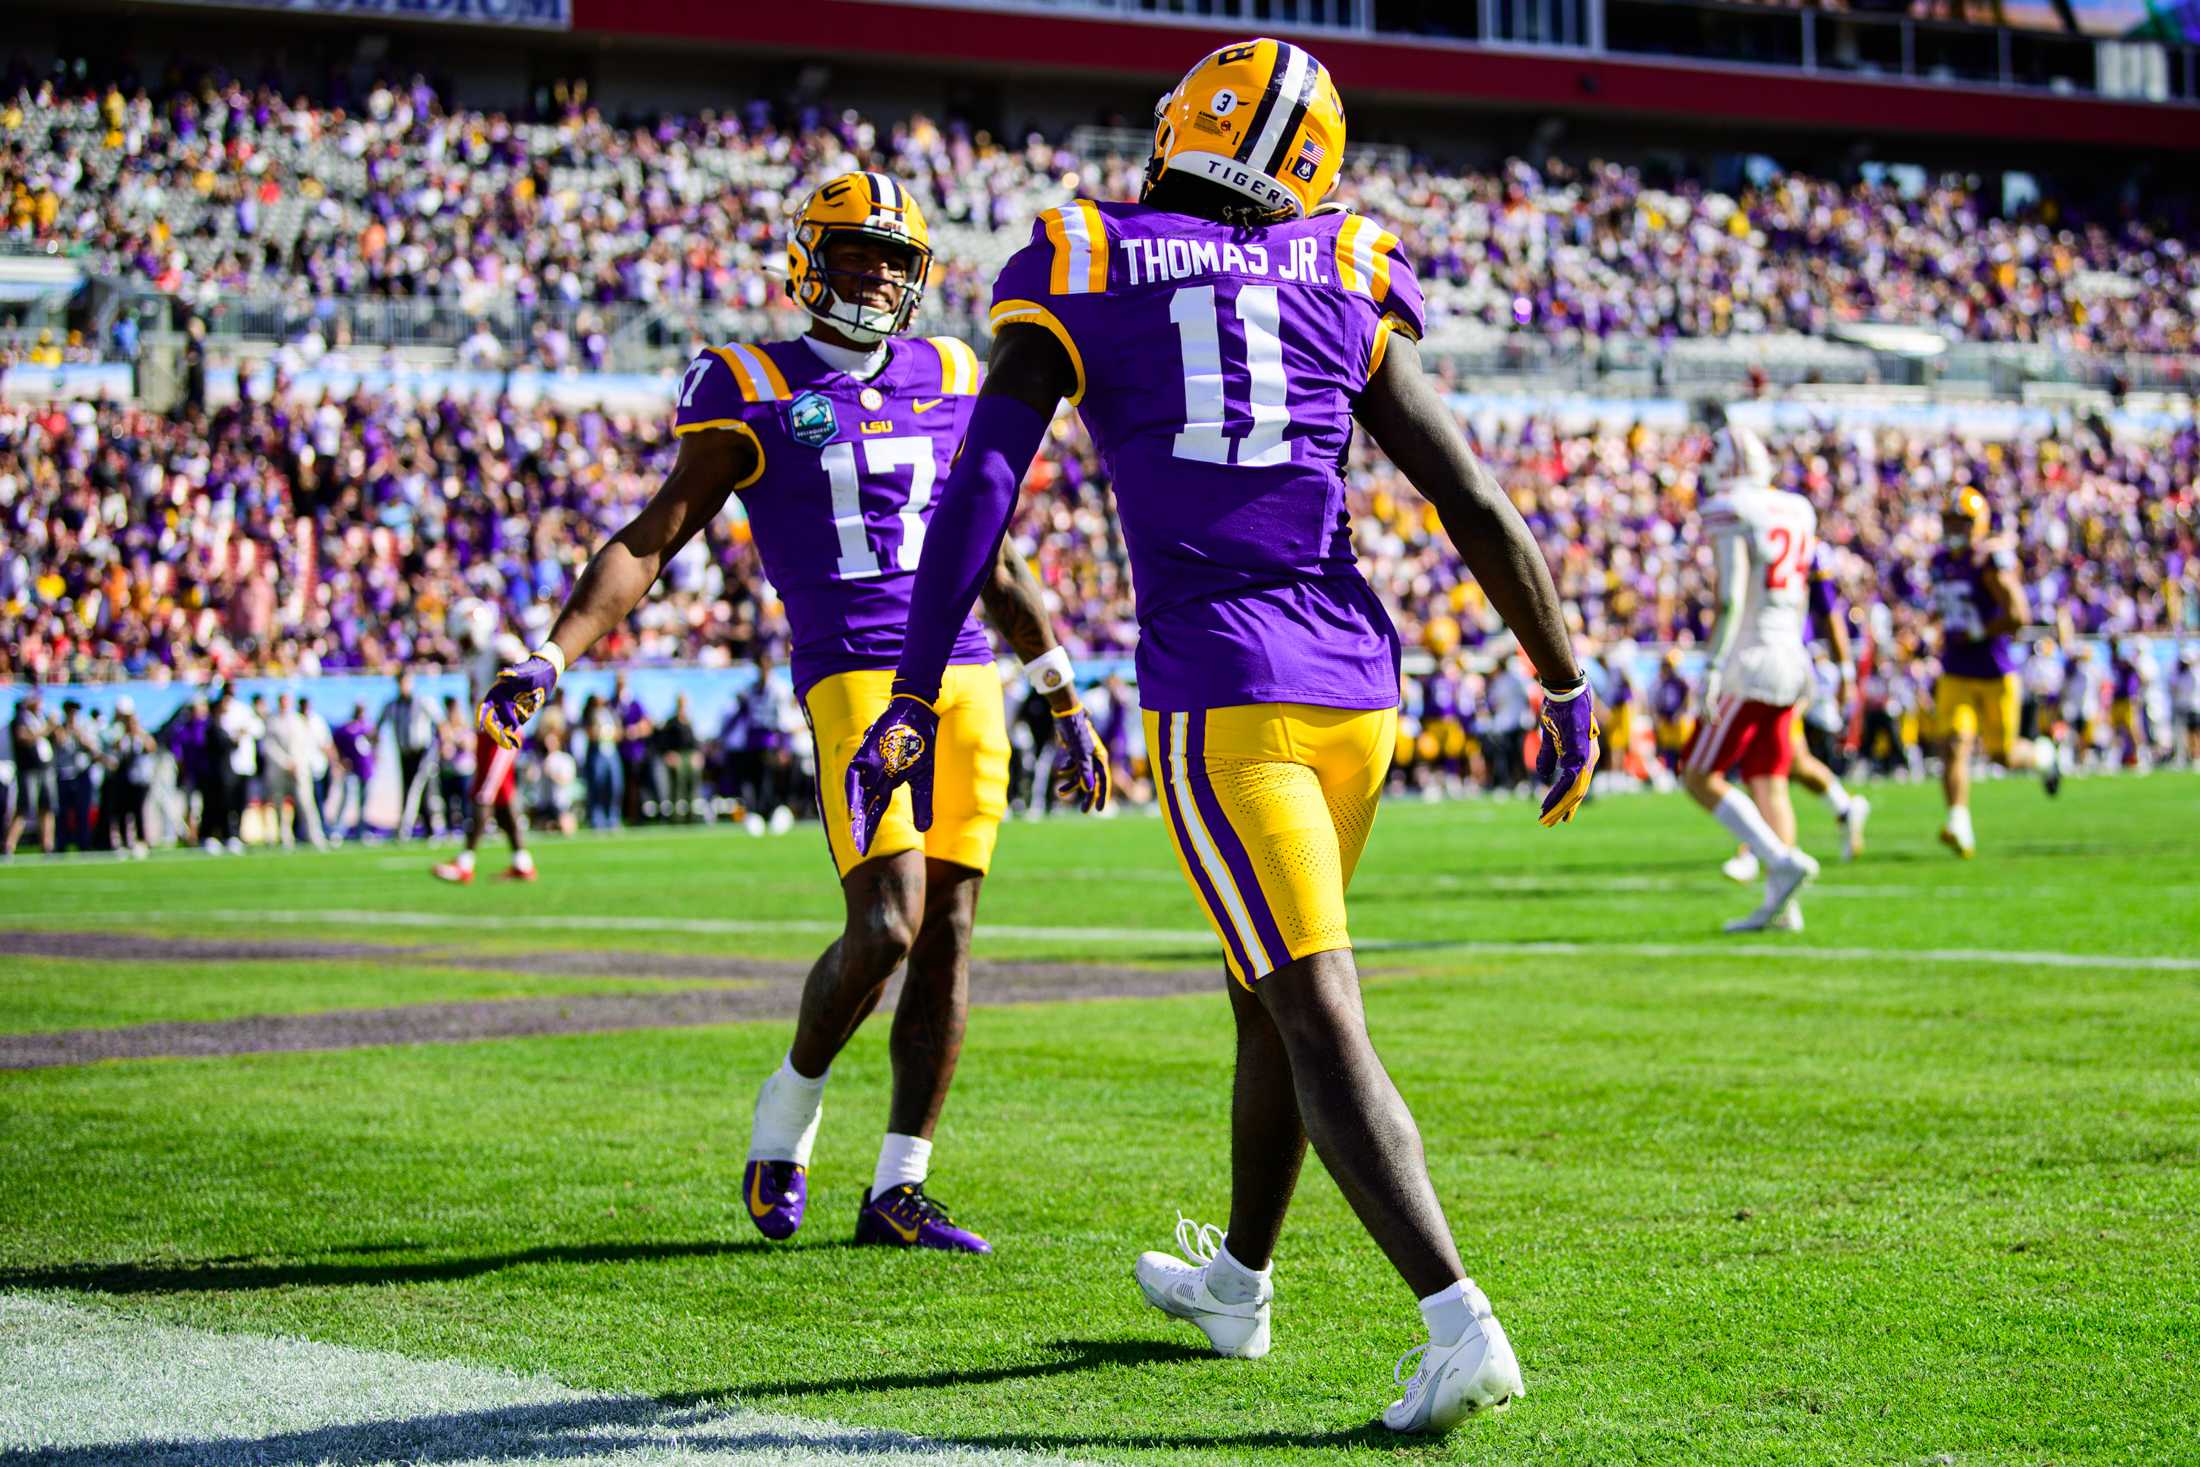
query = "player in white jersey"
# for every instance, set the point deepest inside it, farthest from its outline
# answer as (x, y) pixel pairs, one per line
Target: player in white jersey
(495, 786)
(2185, 705)
(1759, 672)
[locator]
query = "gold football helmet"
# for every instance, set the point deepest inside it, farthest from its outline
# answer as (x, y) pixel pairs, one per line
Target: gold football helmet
(868, 206)
(1261, 118)
(1967, 504)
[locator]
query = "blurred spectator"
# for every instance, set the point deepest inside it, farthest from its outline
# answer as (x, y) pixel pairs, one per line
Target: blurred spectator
(129, 767)
(354, 742)
(30, 739)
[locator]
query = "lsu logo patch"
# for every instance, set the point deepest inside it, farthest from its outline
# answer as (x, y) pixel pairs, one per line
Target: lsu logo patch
(900, 747)
(810, 421)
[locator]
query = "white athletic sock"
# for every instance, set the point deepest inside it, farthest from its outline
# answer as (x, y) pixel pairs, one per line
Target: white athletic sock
(1232, 1282)
(465, 860)
(1450, 1311)
(1959, 823)
(1837, 800)
(902, 1161)
(787, 1113)
(1738, 814)
(523, 860)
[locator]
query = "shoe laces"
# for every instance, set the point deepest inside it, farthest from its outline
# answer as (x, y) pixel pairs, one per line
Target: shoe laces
(1198, 1242)
(1398, 1371)
(915, 1200)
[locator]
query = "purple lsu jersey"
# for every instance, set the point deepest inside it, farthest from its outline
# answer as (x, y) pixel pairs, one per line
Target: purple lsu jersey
(1217, 369)
(1967, 608)
(844, 488)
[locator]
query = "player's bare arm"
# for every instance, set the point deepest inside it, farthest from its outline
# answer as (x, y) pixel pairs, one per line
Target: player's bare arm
(1016, 606)
(619, 575)
(2009, 598)
(1403, 413)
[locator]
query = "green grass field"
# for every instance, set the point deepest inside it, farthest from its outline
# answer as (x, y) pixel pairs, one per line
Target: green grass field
(1921, 1183)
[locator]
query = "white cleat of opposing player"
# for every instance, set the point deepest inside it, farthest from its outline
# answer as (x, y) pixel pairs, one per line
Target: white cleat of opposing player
(1178, 1286)
(1478, 1373)
(1852, 827)
(1783, 880)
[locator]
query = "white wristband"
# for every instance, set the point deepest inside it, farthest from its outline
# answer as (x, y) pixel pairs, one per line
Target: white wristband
(1568, 696)
(551, 653)
(1050, 671)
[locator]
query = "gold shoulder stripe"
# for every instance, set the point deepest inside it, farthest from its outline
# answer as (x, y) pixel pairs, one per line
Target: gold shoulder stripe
(958, 365)
(1011, 313)
(760, 377)
(731, 425)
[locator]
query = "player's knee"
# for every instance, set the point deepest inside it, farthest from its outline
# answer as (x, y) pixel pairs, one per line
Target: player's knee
(879, 937)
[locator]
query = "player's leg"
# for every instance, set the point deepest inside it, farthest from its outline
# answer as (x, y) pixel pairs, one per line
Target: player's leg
(1958, 711)
(969, 799)
(883, 901)
(882, 897)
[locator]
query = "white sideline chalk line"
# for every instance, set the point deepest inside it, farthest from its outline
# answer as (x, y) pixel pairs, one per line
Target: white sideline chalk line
(738, 926)
(86, 1386)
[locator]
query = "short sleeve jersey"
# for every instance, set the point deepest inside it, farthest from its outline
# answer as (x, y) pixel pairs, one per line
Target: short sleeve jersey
(1967, 608)
(1216, 369)
(844, 484)
(1780, 532)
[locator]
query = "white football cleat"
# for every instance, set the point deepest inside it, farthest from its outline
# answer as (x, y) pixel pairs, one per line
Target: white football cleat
(1741, 867)
(1852, 827)
(1178, 1286)
(1480, 1373)
(1787, 877)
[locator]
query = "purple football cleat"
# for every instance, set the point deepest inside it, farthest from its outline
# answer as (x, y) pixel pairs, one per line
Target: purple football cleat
(905, 1218)
(776, 1193)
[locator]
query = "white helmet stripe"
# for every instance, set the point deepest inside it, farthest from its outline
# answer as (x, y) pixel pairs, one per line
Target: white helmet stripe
(889, 192)
(1296, 67)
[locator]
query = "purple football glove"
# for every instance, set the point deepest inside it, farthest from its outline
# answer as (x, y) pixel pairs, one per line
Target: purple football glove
(1568, 758)
(516, 696)
(897, 751)
(1081, 774)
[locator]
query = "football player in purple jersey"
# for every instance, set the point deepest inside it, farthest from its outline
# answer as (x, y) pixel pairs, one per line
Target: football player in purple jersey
(1977, 701)
(1221, 338)
(835, 442)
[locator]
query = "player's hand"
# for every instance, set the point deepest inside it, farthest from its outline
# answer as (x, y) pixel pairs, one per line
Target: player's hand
(1568, 759)
(1082, 772)
(1707, 699)
(516, 696)
(897, 751)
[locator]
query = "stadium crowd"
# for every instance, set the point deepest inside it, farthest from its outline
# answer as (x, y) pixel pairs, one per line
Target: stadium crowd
(223, 187)
(335, 535)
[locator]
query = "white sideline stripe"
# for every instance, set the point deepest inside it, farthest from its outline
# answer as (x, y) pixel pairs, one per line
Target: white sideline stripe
(735, 926)
(87, 1386)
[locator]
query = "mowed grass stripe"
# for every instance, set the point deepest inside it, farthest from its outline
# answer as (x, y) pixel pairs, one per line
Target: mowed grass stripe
(93, 1388)
(1146, 936)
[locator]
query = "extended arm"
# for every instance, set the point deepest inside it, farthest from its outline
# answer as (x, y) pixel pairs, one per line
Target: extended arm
(1411, 423)
(1403, 413)
(1027, 378)
(1730, 557)
(2009, 596)
(621, 573)
(1025, 381)
(1017, 608)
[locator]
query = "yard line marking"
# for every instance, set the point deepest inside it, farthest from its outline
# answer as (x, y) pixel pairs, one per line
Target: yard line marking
(97, 1386)
(739, 926)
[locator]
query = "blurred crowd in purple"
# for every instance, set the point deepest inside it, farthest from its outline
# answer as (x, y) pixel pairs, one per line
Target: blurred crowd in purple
(219, 186)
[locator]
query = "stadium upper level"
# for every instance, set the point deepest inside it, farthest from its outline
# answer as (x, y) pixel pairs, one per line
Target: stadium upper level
(2106, 72)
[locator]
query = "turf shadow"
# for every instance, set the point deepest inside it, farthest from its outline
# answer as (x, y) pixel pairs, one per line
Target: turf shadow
(241, 1274)
(606, 1426)
(1074, 1355)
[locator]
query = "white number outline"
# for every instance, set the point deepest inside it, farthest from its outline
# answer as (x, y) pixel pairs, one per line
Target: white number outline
(1198, 321)
(881, 456)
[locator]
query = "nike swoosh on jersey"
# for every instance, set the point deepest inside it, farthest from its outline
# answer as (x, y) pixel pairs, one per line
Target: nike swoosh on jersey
(925, 405)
